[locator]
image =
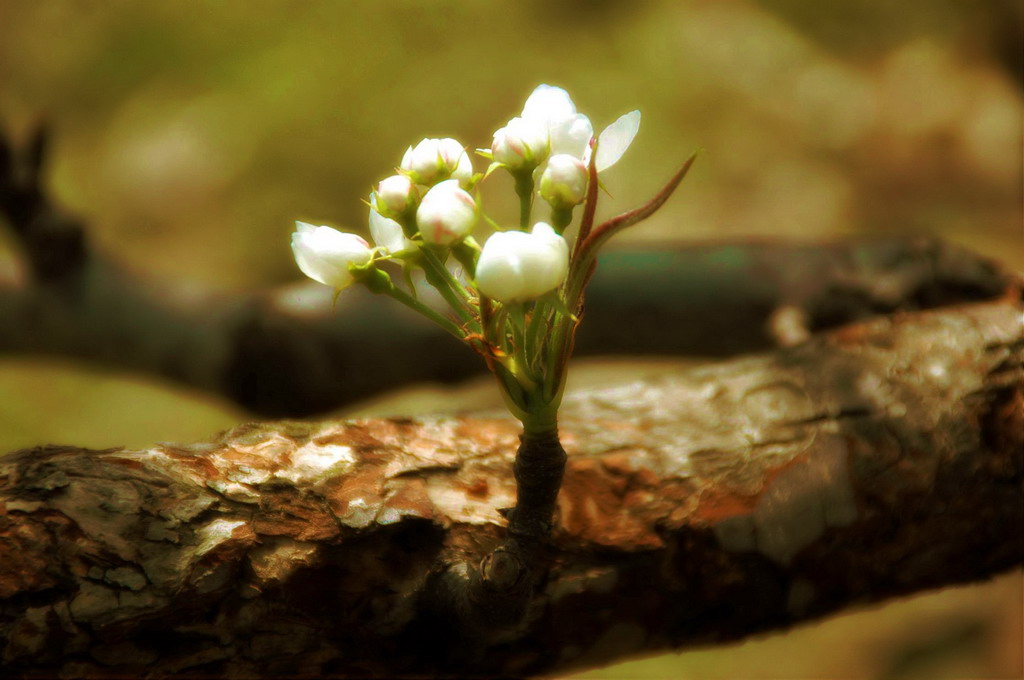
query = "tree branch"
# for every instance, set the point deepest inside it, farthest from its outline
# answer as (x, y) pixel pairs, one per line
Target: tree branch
(879, 459)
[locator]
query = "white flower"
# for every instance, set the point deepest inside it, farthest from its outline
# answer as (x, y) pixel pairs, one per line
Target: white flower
(387, 234)
(521, 143)
(446, 213)
(547, 102)
(395, 195)
(324, 254)
(516, 266)
(564, 181)
(573, 137)
(570, 132)
(435, 160)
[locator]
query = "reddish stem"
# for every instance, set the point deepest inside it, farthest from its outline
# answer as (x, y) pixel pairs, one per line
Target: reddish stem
(590, 204)
(590, 242)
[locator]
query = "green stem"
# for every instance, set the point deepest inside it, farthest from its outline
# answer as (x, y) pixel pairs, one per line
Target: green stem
(561, 218)
(453, 292)
(512, 393)
(414, 304)
(438, 275)
(467, 252)
(442, 271)
(524, 189)
(533, 331)
(557, 359)
(448, 294)
(517, 320)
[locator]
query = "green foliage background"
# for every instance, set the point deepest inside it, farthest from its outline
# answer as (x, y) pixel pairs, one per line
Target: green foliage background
(191, 134)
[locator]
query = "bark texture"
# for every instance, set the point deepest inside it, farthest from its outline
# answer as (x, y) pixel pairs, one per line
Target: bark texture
(876, 460)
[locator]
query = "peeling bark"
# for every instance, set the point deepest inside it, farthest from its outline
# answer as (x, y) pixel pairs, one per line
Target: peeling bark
(880, 459)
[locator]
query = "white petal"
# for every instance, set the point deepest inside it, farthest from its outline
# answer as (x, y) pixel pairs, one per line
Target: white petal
(521, 142)
(309, 264)
(544, 233)
(499, 273)
(425, 159)
(535, 263)
(572, 136)
(394, 196)
(314, 265)
(563, 183)
(451, 151)
(615, 139)
(464, 170)
(324, 254)
(552, 259)
(516, 266)
(387, 233)
(446, 213)
(549, 104)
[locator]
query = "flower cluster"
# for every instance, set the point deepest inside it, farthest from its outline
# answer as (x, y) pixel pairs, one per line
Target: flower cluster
(518, 296)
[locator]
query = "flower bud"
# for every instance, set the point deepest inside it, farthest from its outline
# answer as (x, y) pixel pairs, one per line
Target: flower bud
(521, 143)
(549, 103)
(325, 254)
(446, 213)
(435, 160)
(516, 266)
(457, 162)
(572, 136)
(564, 181)
(568, 131)
(388, 235)
(395, 195)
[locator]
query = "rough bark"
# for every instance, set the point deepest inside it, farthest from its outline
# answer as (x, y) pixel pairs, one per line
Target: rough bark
(879, 459)
(289, 352)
